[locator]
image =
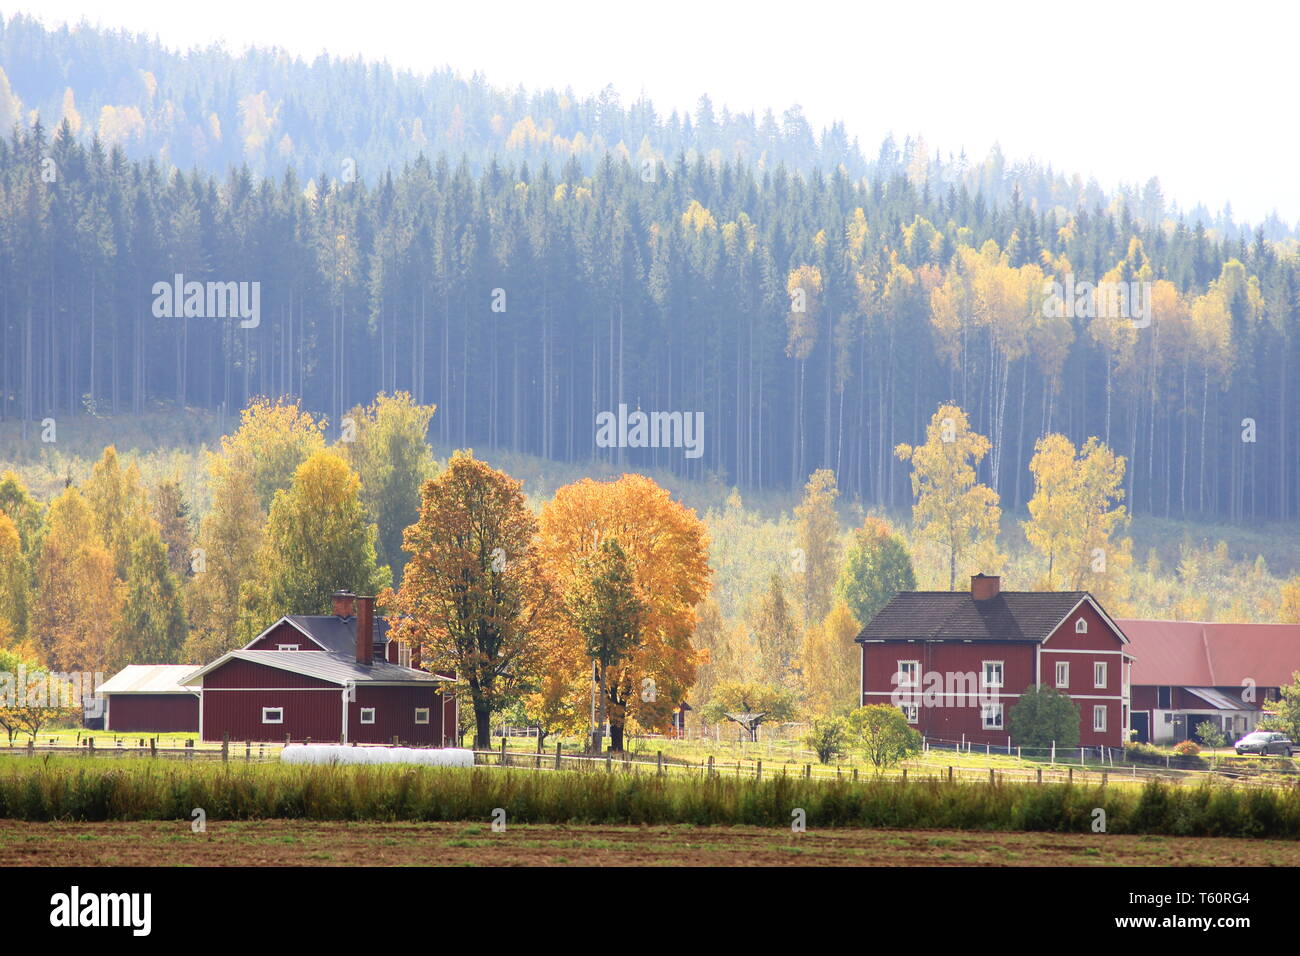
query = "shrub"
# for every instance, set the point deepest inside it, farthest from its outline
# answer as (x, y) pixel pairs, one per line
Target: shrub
(1187, 748)
(827, 738)
(1043, 716)
(1211, 734)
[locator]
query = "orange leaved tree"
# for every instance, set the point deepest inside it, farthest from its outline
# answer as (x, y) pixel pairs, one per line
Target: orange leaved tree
(666, 546)
(474, 597)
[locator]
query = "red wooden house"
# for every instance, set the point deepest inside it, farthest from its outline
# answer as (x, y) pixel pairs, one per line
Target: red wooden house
(956, 662)
(325, 678)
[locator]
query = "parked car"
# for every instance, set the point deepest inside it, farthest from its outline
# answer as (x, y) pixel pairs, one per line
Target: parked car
(1265, 742)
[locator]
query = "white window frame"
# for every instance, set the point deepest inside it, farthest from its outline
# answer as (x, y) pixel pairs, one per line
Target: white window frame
(911, 713)
(1099, 718)
(288, 647)
(1081, 626)
(1001, 666)
(904, 667)
(1062, 674)
(266, 711)
(1098, 671)
(366, 712)
(422, 710)
(991, 716)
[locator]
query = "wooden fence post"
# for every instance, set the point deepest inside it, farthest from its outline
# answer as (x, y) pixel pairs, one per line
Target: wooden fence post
(659, 760)
(710, 772)
(1040, 774)
(1104, 777)
(31, 746)
(992, 778)
(558, 746)
(225, 747)
(1071, 777)
(950, 774)
(609, 761)
(504, 758)
(855, 774)
(758, 770)
(153, 746)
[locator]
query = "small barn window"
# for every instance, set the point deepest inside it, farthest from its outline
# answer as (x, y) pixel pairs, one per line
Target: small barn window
(1099, 717)
(1081, 626)
(909, 673)
(992, 714)
(367, 715)
(1099, 674)
(1062, 673)
(286, 647)
(272, 715)
(993, 674)
(422, 715)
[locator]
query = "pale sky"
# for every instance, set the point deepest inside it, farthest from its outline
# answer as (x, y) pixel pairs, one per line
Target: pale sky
(1201, 95)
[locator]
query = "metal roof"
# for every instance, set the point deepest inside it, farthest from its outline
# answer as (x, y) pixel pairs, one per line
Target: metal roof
(149, 679)
(1200, 654)
(957, 616)
(335, 668)
(1219, 700)
(333, 633)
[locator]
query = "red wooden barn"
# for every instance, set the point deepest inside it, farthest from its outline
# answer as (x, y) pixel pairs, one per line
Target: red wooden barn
(956, 662)
(325, 678)
(150, 697)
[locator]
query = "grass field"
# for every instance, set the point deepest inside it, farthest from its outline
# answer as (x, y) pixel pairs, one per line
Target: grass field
(306, 843)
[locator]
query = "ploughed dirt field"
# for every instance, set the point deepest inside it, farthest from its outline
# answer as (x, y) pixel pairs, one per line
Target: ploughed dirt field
(305, 843)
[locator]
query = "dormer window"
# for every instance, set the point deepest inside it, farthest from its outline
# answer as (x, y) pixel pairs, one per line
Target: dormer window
(288, 647)
(1081, 626)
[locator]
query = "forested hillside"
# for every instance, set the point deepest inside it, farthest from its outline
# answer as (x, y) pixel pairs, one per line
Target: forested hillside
(523, 301)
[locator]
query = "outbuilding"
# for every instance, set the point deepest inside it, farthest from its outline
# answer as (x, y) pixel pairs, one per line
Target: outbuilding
(150, 698)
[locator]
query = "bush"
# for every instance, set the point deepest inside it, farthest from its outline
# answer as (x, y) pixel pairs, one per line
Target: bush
(884, 734)
(827, 738)
(1187, 748)
(1211, 734)
(1043, 716)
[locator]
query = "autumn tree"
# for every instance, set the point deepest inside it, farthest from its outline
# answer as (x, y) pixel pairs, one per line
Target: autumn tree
(774, 626)
(951, 509)
(318, 540)
(831, 662)
(172, 512)
(14, 589)
(78, 600)
(153, 628)
(817, 559)
(386, 444)
(120, 506)
(667, 547)
(23, 510)
(273, 439)
(31, 697)
(475, 598)
(603, 606)
(877, 567)
(774, 703)
(224, 563)
(1072, 521)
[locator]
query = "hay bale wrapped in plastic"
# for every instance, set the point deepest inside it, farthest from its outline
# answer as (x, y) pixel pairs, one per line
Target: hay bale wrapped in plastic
(341, 754)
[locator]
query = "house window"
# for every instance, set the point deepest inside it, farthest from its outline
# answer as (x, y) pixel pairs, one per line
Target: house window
(1062, 673)
(1099, 717)
(909, 673)
(1099, 674)
(367, 715)
(404, 654)
(992, 714)
(286, 647)
(993, 674)
(1163, 697)
(911, 712)
(422, 715)
(272, 715)
(1081, 626)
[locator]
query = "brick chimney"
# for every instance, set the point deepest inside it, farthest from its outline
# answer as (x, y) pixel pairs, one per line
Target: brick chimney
(984, 586)
(344, 603)
(365, 630)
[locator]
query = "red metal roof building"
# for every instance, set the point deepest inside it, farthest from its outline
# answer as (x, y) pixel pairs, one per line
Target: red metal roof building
(956, 662)
(1186, 672)
(325, 678)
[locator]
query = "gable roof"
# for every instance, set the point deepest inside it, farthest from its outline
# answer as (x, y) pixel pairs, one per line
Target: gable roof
(1201, 654)
(148, 679)
(956, 616)
(334, 668)
(334, 634)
